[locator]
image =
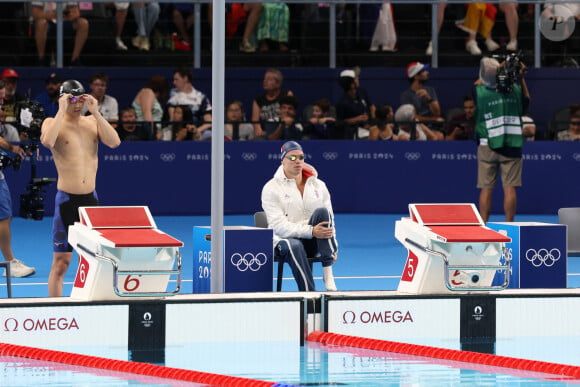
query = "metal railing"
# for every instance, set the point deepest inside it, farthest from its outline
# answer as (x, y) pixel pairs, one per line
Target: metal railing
(333, 5)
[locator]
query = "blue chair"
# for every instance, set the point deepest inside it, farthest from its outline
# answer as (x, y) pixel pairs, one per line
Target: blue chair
(570, 216)
(261, 221)
(6, 265)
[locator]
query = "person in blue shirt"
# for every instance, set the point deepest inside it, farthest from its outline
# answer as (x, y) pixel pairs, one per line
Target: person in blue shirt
(49, 97)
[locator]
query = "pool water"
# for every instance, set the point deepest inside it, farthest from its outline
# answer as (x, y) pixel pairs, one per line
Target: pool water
(311, 365)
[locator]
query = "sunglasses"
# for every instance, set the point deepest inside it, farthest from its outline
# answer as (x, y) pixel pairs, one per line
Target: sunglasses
(294, 158)
(77, 99)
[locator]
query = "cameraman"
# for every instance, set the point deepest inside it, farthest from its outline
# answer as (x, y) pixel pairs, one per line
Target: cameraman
(499, 131)
(17, 267)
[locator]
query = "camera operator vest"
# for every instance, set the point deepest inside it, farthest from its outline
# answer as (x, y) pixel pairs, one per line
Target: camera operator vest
(498, 117)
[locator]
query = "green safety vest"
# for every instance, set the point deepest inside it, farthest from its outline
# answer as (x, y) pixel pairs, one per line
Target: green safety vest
(499, 117)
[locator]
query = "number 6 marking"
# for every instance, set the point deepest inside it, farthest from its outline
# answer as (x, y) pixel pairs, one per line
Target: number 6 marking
(131, 284)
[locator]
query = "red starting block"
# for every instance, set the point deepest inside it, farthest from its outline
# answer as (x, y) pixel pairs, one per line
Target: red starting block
(449, 249)
(123, 254)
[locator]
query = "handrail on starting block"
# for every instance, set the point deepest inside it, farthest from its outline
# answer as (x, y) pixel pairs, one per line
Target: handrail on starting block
(451, 238)
(117, 273)
(506, 268)
(122, 247)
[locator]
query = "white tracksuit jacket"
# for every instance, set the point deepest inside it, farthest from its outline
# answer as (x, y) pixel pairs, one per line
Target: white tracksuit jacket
(287, 210)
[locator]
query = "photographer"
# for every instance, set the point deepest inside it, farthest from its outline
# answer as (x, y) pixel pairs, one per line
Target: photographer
(501, 98)
(17, 267)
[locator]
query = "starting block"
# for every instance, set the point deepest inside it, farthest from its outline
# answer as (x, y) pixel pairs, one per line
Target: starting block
(450, 249)
(122, 254)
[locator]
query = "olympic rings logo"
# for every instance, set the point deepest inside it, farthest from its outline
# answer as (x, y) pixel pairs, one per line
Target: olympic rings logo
(543, 257)
(248, 261)
(249, 156)
(167, 157)
(412, 156)
(330, 155)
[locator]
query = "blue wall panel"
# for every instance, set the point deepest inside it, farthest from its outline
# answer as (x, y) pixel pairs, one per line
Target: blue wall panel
(363, 176)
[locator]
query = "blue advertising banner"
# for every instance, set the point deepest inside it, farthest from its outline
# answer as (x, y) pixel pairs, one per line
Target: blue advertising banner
(538, 252)
(248, 259)
(173, 178)
(201, 259)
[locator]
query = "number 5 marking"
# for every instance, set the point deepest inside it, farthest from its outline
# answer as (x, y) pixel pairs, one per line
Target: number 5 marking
(410, 267)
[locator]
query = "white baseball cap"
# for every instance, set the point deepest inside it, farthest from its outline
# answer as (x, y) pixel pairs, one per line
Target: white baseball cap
(415, 68)
(348, 73)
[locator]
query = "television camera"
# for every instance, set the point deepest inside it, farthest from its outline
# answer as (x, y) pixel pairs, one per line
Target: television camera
(30, 118)
(509, 73)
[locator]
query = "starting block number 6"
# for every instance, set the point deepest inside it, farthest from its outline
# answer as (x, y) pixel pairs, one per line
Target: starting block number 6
(82, 273)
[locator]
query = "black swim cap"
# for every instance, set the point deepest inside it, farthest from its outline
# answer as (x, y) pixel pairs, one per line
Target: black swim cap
(75, 88)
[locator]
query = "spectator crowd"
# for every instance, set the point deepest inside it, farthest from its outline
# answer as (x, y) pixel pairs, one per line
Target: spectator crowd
(180, 112)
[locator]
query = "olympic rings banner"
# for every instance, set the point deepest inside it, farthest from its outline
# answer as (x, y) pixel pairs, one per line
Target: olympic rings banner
(174, 178)
(538, 254)
(248, 260)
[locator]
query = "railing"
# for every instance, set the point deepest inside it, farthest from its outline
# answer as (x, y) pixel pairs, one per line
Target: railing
(333, 7)
(341, 131)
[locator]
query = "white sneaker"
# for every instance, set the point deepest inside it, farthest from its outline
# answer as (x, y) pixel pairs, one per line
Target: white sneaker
(120, 45)
(512, 45)
(459, 24)
(19, 269)
(491, 45)
(144, 43)
(136, 42)
(429, 50)
(328, 279)
(472, 48)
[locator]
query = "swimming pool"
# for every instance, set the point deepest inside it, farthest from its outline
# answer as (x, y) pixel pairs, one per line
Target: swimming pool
(311, 365)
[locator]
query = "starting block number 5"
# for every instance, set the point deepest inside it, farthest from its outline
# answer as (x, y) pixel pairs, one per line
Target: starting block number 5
(410, 267)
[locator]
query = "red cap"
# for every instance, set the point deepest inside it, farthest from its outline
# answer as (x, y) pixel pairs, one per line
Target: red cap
(9, 73)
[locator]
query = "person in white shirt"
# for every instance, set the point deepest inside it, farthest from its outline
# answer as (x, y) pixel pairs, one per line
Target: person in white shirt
(299, 210)
(184, 94)
(108, 105)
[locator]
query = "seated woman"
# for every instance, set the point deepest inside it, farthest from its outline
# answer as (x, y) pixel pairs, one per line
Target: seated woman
(573, 131)
(147, 102)
(409, 128)
(384, 128)
(181, 128)
(237, 128)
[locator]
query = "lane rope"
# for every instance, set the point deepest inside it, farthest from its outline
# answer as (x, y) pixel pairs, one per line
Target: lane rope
(131, 367)
(328, 338)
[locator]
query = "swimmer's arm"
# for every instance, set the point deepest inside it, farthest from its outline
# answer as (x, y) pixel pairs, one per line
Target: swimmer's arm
(105, 131)
(50, 129)
(51, 126)
(107, 134)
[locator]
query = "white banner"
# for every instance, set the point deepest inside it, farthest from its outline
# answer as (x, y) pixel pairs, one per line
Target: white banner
(233, 322)
(416, 321)
(57, 327)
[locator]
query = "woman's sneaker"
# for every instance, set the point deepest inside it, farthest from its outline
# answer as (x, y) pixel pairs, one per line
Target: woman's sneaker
(19, 269)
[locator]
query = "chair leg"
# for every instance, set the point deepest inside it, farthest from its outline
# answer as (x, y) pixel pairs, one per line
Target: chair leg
(280, 274)
(6, 265)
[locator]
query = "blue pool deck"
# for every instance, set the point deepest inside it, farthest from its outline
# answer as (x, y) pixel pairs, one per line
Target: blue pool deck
(369, 266)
